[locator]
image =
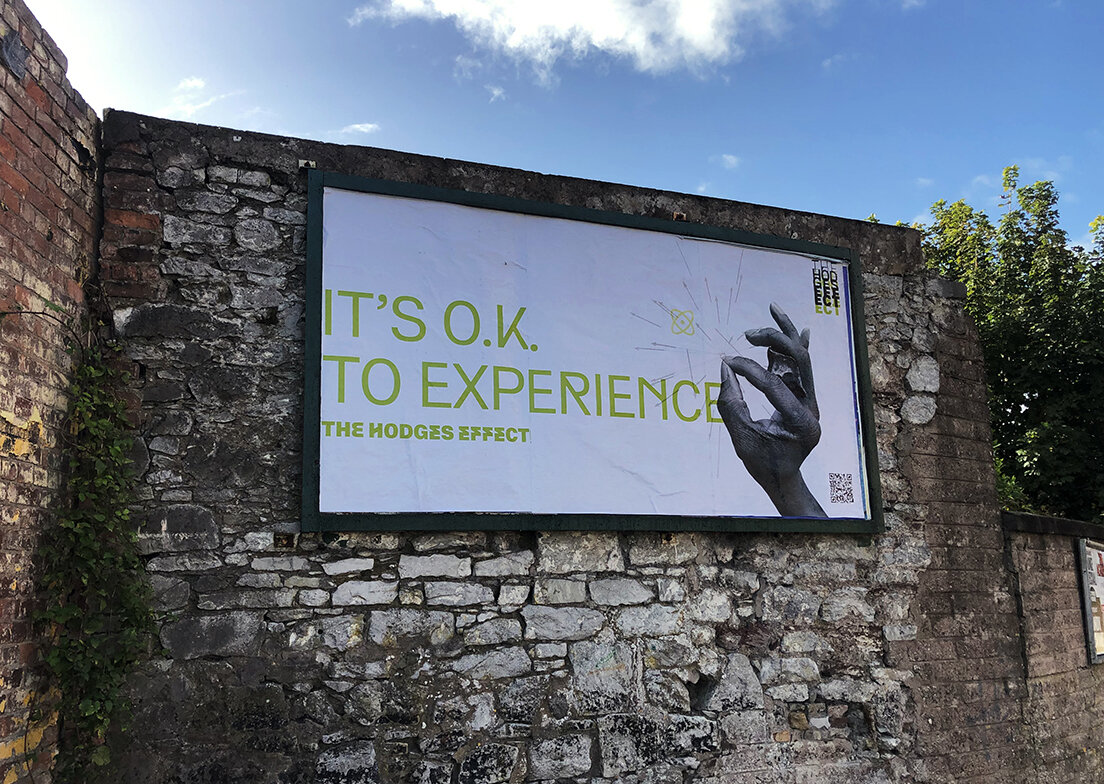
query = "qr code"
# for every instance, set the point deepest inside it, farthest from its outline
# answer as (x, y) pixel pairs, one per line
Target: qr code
(842, 488)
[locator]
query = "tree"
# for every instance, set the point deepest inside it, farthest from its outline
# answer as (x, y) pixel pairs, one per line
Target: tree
(1039, 308)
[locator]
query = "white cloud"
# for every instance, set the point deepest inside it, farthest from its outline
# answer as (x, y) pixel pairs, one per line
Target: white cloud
(497, 93)
(730, 161)
(1085, 241)
(908, 5)
(829, 63)
(464, 67)
(1035, 169)
(191, 84)
(703, 188)
(924, 182)
(361, 128)
(187, 99)
(655, 35)
(983, 181)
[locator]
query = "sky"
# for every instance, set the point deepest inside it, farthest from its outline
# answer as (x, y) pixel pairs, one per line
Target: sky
(843, 107)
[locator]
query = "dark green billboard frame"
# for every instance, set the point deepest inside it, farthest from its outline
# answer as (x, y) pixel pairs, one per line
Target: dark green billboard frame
(315, 520)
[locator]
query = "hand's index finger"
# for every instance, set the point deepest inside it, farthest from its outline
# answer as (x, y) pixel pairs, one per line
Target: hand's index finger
(784, 322)
(772, 387)
(769, 336)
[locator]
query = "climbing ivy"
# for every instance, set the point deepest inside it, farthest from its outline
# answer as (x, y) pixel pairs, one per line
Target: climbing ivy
(95, 603)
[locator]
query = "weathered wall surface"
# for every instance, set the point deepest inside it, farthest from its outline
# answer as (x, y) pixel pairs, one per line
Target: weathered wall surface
(477, 657)
(1065, 694)
(49, 203)
(969, 672)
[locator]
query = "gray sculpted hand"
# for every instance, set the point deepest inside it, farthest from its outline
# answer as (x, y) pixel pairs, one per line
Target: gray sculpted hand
(774, 449)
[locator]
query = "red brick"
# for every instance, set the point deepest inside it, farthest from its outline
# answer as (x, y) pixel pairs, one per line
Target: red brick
(133, 220)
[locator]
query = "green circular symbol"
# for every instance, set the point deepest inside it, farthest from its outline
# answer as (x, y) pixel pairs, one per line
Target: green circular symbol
(682, 322)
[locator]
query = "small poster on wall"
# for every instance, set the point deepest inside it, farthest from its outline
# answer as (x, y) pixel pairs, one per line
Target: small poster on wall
(1092, 596)
(509, 360)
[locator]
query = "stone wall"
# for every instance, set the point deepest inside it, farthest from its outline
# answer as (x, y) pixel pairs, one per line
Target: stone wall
(49, 205)
(943, 650)
(477, 657)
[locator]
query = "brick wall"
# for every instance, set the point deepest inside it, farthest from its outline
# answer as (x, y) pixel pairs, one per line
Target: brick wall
(48, 222)
(1065, 694)
(966, 656)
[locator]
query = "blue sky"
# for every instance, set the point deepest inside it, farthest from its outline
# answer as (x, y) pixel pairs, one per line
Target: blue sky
(844, 107)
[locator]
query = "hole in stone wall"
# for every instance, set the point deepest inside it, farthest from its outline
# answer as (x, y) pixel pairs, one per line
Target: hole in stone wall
(701, 691)
(858, 725)
(84, 155)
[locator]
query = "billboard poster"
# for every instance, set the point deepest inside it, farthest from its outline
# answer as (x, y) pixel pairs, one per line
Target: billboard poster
(1092, 596)
(497, 361)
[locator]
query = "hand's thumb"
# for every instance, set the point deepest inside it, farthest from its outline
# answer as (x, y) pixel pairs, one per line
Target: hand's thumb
(730, 399)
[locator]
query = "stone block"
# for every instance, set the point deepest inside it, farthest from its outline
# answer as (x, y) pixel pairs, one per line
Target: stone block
(365, 592)
(206, 201)
(169, 593)
(348, 566)
(226, 634)
(790, 605)
(490, 763)
(565, 756)
(738, 688)
(511, 597)
(468, 540)
(627, 742)
(181, 231)
(656, 619)
(493, 632)
(350, 763)
(662, 549)
(314, 598)
(553, 590)
(665, 691)
(709, 605)
(561, 623)
(176, 528)
(566, 552)
(186, 562)
(256, 235)
(281, 563)
(453, 594)
(671, 590)
(604, 676)
(511, 565)
(620, 591)
(522, 698)
(847, 603)
(412, 566)
(494, 664)
(744, 727)
(389, 627)
(918, 409)
(550, 650)
(923, 375)
(800, 669)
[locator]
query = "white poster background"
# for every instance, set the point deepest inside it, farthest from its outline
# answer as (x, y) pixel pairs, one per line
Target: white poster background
(598, 299)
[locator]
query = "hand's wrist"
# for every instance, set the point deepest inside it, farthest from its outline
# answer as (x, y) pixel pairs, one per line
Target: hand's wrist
(792, 497)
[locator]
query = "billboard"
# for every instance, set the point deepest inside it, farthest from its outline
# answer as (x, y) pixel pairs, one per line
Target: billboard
(482, 362)
(1091, 557)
